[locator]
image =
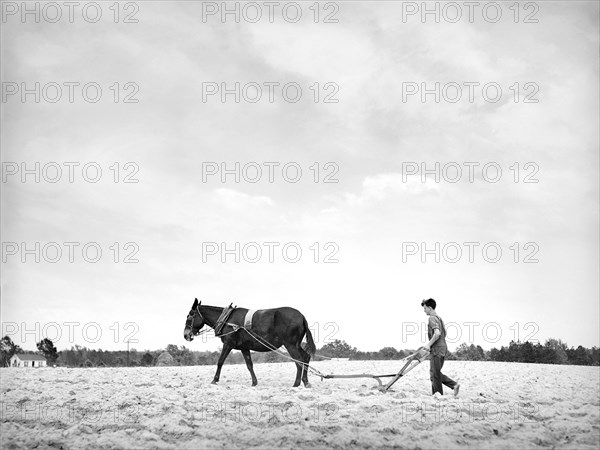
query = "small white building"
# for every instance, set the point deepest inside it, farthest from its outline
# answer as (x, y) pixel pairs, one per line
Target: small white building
(27, 361)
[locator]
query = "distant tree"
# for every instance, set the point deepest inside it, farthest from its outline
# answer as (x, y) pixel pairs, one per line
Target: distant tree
(147, 359)
(186, 357)
(470, 352)
(7, 349)
(338, 349)
(388, 353)
(173, 350)
(582, 357)
(558, 351)
(182, 355)
(513, 352)
(109, 358)
(595, 351)
(205, 358)
(554, 351)
(235, 358)
(270, 357)
(526, 353)
(209, 358)
(46, 346)
(462, 351)
(480, 354)
(541, 353)
(500, 355)
(493, 354)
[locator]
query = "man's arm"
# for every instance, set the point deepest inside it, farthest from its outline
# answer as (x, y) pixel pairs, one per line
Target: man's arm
(435, 325)
(435, 337)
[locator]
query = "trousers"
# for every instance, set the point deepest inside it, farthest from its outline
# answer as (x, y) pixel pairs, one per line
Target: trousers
(437, 377)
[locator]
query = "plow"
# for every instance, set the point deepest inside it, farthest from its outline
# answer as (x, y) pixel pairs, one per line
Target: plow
(410, 362)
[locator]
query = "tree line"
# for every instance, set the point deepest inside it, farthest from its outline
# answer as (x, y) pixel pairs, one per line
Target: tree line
(78, 356)
(554, 351)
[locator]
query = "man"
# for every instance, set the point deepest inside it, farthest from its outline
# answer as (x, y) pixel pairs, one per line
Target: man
(436, 332)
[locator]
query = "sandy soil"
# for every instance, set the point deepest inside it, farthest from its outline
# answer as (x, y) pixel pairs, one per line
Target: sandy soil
(501, 405)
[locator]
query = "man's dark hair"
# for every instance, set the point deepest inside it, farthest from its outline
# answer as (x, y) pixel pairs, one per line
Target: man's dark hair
(429, 302)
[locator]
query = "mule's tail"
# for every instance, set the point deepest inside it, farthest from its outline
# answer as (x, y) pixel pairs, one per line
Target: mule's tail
(310, 344)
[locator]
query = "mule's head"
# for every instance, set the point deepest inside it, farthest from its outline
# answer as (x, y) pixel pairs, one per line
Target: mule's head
(193, 323)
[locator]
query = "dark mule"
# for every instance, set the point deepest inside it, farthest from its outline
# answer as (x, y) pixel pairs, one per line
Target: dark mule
(276, 327)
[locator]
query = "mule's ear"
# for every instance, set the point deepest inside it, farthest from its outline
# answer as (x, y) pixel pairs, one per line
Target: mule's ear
(195, 303)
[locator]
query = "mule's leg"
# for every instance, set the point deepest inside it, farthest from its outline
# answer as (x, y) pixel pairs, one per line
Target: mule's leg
(248, 359)
(224, 353)
(304, 356)
(295, 353)
(306, 360)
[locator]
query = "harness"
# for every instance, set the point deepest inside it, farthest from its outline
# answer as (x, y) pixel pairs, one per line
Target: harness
(247, 324)
(222, 321)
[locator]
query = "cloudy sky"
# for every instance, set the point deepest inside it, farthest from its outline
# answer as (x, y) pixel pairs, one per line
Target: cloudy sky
(372, 138)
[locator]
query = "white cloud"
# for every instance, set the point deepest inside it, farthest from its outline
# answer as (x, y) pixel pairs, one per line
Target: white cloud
(239, 200)
(378, 188)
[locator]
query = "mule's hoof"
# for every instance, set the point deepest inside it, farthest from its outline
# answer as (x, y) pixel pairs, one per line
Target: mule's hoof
(308, 385)
(254, 384)
(213, 382)
(296, 385)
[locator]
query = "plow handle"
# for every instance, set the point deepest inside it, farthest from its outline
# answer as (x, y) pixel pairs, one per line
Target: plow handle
(418, 356)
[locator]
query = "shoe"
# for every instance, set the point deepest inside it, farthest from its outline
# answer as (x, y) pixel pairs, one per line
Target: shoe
(456, 389)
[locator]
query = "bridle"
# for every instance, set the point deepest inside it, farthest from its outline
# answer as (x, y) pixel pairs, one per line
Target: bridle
(189, 323)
